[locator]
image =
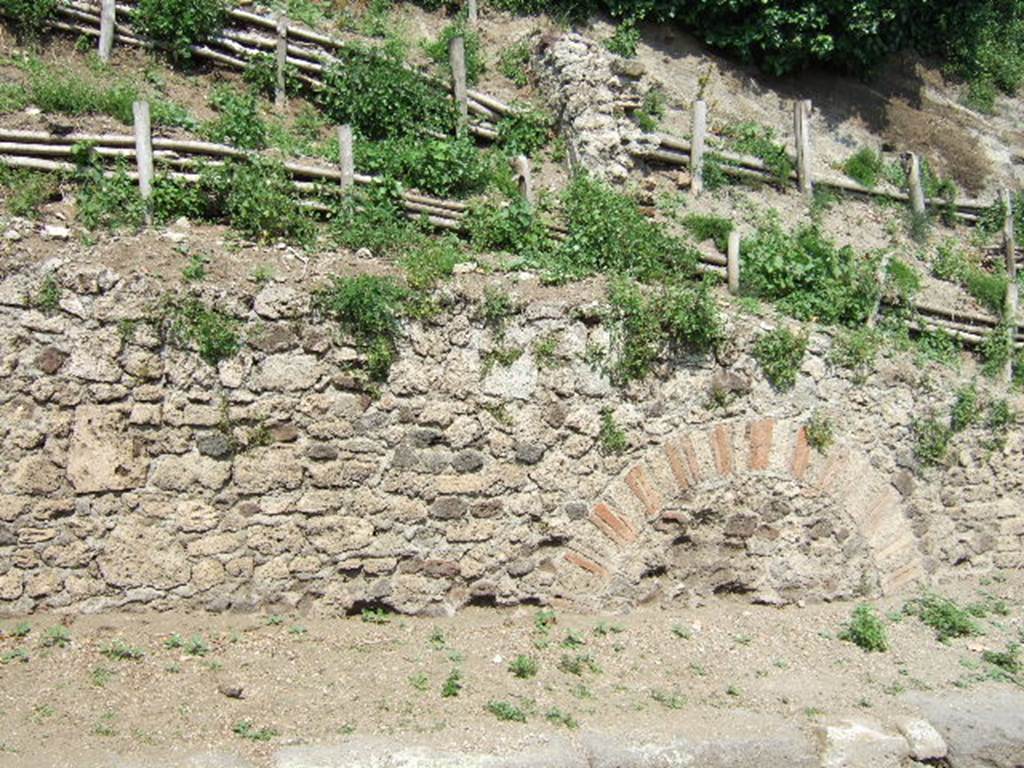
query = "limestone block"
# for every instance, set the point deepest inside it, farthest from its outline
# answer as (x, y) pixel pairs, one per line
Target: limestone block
(139, 555)
(101, 457)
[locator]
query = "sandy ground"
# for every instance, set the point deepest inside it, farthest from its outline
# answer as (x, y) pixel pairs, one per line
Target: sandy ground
(662, 671)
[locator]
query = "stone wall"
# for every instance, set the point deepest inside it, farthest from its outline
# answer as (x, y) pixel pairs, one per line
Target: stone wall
(137, 475)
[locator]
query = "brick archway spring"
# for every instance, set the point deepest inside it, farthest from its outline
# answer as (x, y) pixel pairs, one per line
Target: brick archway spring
(629, 517)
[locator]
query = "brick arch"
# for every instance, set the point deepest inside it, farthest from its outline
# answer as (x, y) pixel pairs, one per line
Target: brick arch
(622, 524)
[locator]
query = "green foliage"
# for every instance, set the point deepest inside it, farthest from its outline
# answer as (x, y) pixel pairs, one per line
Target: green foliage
(47, 298)
(608, 233)
(902, 282)
(998, 422)
(943, 615)
(866, 629)
(437, 51)
(25, 192)
(525, 131)
(452, 684)
(367, 308)
(106, 202)
(507, 712)
(512, 227)
(611, 439)
(257, 196)
(57, 636)
(625, 40)
(247, 730)
(175, 197)
(931, 440)
(377, 616)
(119, 650)
(709, 227)
(651, 111)
(514, 63)
(809, 276)
(865, 166)
(856, 350)
(371, 217)
(558, 717)
(523, 667)
(818, 430)
(238, 121)
(177, 25)
(29, 16)
(428, 263)
(952, 263)
(965, 411)
(780, 354)
(374, 93)
(677, 318)
(13, 97)
(1009, 661)
(196, 268)
(669, 700)
(448, 167)
(996, 351)
(759, 140)
(213, 333)
(578, 664)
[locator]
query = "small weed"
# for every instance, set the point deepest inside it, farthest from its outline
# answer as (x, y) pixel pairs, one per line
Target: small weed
(603, 628)
(943, 615)
(507, 712)
(866, 629)
(864, 166)
(297, 630)
(733, 690)
(965, 411)
(523, 667)
(573, 639)
(57, 636)
(47, 298)
(668, 700)
(611, 439)
(275, 621)
(437, 640)
(624, 40)
(709, 227)
(196, 646)
(419, 681)
(558, 717)
(452, 684)
(544, 620)
(1009, 661)
(196, 268)
(780, 354)
(17, 654)
(514, 63)
(684, 633)
(21, 630)
(998, 422)
(119, 650)
(578, 664)
(247, 730)
(819, 433)
(105, 726)
(651, 111)
(931, 441)
(544, 351)
(100, 676)
(375, 616)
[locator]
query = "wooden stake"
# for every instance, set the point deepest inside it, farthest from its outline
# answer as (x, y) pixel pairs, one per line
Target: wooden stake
(280, 98)
(700, 125)
(732, 263)
(348, 171)
(915, 186)
(524, 179)
(144, 153)
(472, 17)
(802, 132)
(457, 58)
(1012, 291)
(108, 13)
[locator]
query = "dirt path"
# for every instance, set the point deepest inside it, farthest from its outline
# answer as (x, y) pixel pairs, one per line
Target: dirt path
(658, 674)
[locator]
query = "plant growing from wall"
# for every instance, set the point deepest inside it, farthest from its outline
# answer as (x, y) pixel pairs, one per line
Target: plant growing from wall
(611, 439)
(931, 440)
(965, 410)
(856, 351)
(819, 432)
(188, 321)
(780, 354)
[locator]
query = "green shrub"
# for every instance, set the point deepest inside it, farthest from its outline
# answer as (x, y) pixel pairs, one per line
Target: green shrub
(931, 440)
(452, 684)
(818, 430)
(449, 167)
(902, 283)
(512, 227)
(651, 111)
(625, 40)
(258, 197)
(709, 227)
(866, 629)
(856, 350)
(367, 308)
(523, 667)
(780, 354)
(943, 615)
(507, 712)
(677, 318)
(809, 276)
(238, 121)
(380, 99)
(988, 289)
(608, 233)
(996, 351)
(611, 439)
(864, 166)
(25, 192)
(175, 197)
(179, 24)
(261, 73)
(514, 63)
(372, 217)
(1009, 661)
(106, 202)
(525, 131)
(47, 298)
(965, 409)
(29, 16)
(437, 51)
(759, 140)
(998, 422)
(213, 333)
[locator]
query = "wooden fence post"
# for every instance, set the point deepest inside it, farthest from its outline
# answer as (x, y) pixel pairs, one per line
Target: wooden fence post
(457, 58)
(1012, 291)
(348, 172)
(281, 55)
(108, 13)
(524, 179)
(144, 154)
(732, 268)
(472, 16)
(700, 124)
(804, 156)
(914, 185)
